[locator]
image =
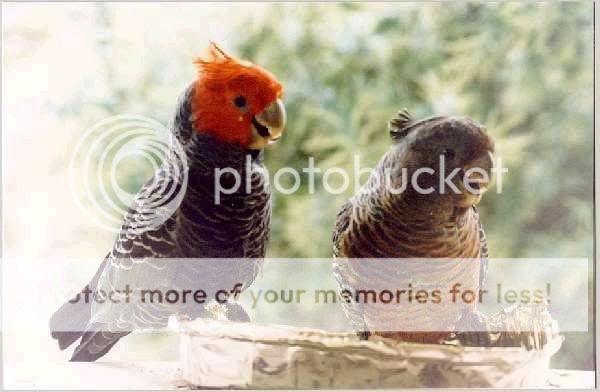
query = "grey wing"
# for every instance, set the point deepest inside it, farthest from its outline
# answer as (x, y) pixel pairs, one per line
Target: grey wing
(135, 261)
(342, 272)
(138, 260)
(483, 252)
(341, 225)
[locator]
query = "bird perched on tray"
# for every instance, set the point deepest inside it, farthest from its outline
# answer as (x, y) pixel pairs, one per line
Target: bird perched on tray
(223, 119)
(426, 219)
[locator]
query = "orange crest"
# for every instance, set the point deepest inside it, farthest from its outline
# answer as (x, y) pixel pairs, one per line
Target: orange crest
(228, 94)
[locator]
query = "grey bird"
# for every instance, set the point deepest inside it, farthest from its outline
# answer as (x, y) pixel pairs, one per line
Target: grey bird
(380, 224)
(224, 119)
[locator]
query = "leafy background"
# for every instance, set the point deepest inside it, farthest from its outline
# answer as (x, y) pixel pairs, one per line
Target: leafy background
(525, 70)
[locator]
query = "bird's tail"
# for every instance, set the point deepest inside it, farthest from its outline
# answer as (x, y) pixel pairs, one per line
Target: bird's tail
(95, 344)
(71, 320)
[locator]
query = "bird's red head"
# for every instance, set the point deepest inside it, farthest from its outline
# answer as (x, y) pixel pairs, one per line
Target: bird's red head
(236, 101)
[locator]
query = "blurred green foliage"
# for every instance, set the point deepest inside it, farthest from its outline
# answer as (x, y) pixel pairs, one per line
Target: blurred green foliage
(524, 70)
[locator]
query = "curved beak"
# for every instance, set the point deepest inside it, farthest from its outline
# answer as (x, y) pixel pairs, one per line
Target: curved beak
(477, 177)
(268, 125)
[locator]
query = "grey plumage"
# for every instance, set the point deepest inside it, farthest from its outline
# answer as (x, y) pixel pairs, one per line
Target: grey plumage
(379, 224)
(153, 235)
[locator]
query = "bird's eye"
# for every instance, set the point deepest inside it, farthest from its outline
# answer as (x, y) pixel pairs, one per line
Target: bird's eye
(240, 102)
(448, 153)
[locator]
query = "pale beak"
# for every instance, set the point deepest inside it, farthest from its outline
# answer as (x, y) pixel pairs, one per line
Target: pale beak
(268, 125)
(477, 177)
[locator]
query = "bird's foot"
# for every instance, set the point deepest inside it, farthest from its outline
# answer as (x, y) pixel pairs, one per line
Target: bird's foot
(235, 312)
(472, 329)
(363, 335)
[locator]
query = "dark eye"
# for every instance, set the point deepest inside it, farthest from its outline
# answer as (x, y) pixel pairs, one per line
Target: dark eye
(448, 153)
(240, 102)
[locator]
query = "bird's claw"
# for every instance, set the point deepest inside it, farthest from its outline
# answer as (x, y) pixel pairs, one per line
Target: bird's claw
(472, 329)
(364, 335)
(235, 312)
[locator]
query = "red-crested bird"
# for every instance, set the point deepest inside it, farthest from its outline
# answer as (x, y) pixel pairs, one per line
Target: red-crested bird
(223, 120)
